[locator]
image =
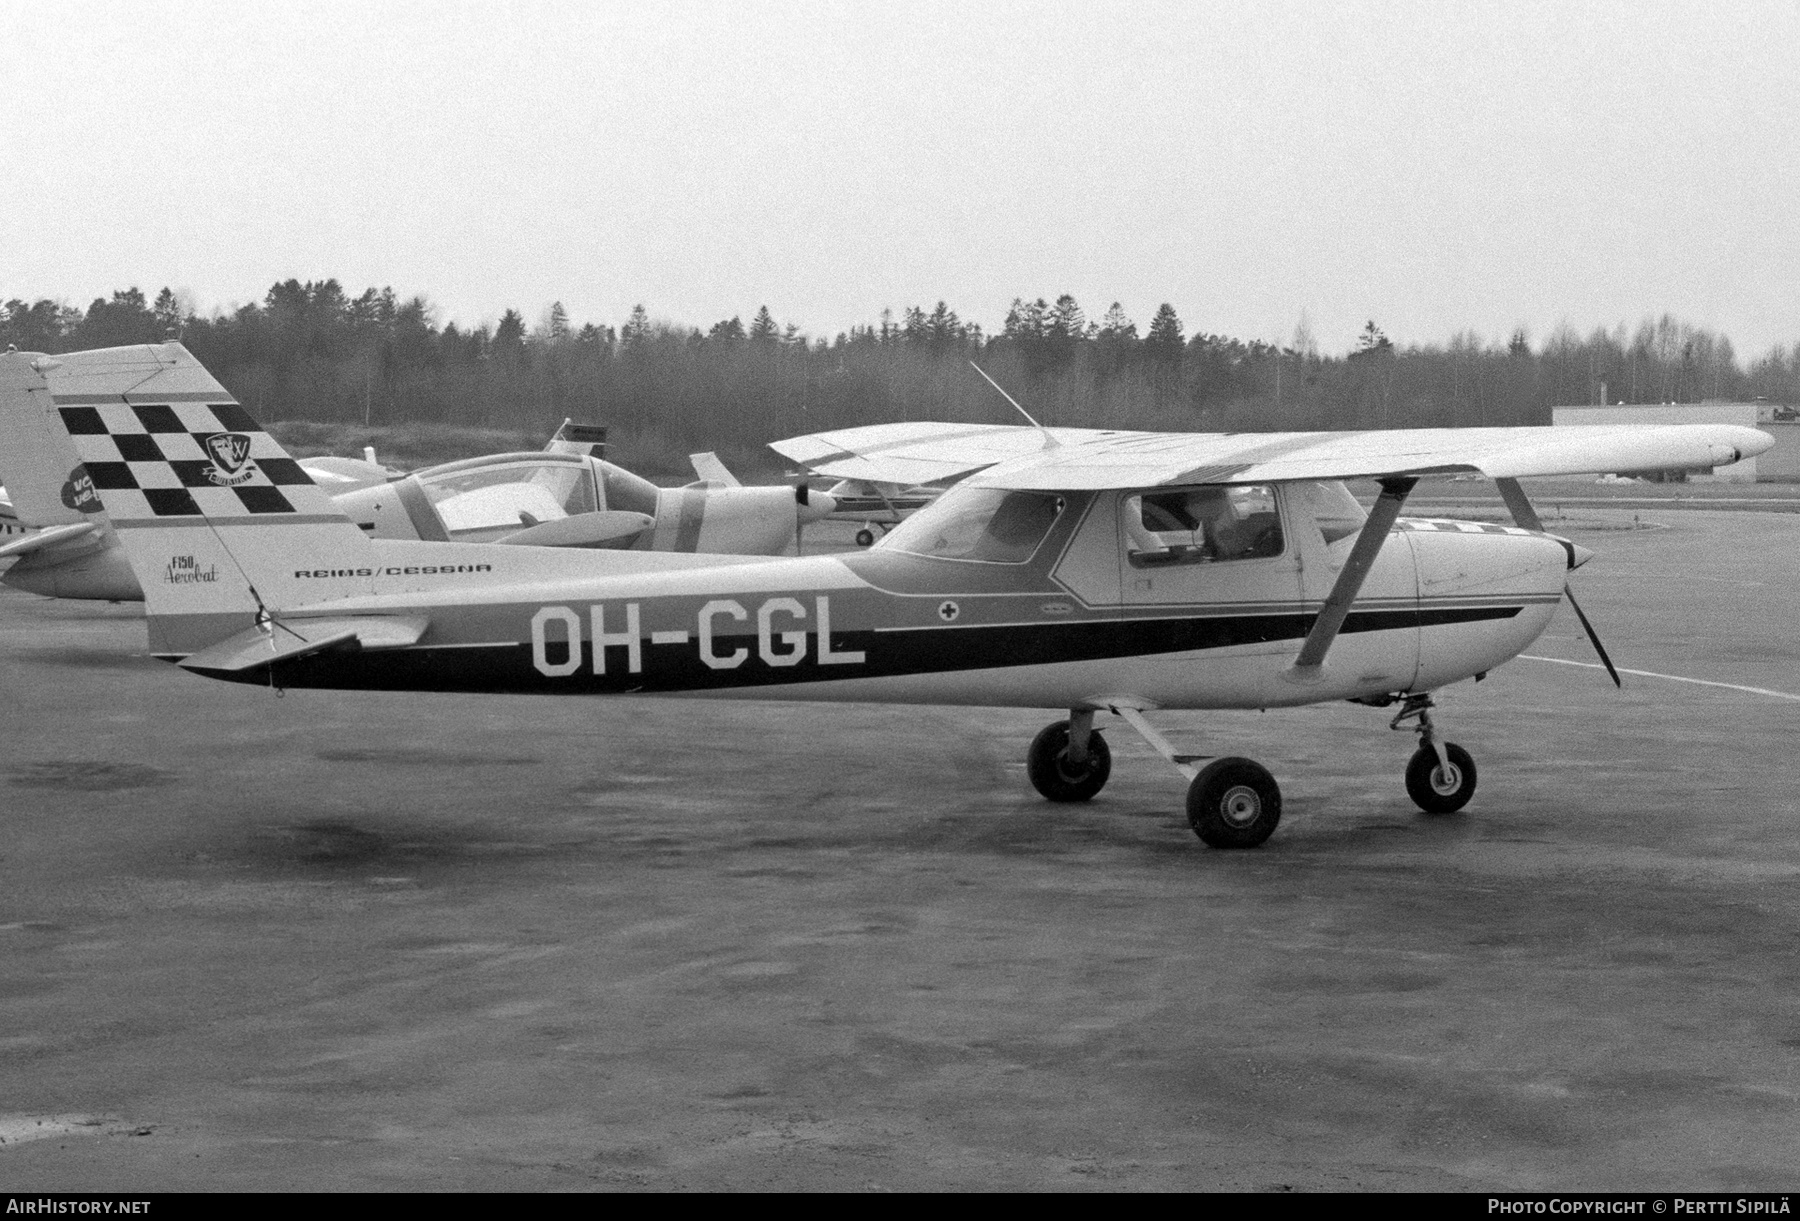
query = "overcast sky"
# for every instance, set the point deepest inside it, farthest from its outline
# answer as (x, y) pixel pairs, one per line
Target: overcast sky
(1432, 167)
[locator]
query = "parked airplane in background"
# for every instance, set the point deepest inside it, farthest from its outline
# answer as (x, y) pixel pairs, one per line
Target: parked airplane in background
(1098, 572)
(873, 504)
(10, 525)
(565, 496)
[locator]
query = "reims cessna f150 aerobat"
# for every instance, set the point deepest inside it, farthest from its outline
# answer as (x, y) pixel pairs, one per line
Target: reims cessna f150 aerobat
(1095, 572)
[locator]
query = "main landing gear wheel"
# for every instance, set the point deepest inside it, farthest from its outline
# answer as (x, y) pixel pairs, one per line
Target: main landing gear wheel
(1440, 788)
(865, 537)
(1234, 803)
(1053, 775)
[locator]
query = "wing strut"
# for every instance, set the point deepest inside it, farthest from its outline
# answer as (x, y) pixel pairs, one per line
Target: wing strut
(1526, 516)
(1350, 580)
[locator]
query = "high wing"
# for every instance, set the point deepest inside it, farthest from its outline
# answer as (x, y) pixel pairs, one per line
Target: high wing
(917, 453)
(1013, 456)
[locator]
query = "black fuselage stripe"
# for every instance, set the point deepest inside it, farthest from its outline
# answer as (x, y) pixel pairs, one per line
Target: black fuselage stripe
(887, 654)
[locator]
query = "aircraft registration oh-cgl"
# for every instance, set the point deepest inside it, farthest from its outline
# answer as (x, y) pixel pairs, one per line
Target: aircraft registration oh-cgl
(1089, 571)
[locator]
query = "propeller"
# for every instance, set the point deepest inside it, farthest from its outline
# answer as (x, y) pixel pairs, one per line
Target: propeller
(1526, 516)
(1592, 635)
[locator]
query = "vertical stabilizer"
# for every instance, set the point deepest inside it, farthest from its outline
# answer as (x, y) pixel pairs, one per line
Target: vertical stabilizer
(219, 523)
(38, 464)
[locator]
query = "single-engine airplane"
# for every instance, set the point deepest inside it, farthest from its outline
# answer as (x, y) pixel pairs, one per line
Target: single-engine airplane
(1118, 572)
(564, 496)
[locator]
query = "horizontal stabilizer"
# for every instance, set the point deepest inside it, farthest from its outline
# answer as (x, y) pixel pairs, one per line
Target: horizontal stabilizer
(286, 639)
(340, 475)
(47, 537)
(709, 468)
(610, 526)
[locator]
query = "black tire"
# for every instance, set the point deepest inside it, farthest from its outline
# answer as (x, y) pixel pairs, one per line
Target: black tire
(1047, 763)
(865, 538)
(1431, 789)
(1234, 803)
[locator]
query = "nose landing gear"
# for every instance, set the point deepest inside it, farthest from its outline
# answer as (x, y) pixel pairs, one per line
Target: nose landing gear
(1440, 777)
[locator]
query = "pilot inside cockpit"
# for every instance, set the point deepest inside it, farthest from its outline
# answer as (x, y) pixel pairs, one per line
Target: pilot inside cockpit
(1202, 524)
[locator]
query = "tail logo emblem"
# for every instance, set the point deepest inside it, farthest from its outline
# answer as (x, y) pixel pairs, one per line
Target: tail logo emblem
(230, 453)
(78, 491)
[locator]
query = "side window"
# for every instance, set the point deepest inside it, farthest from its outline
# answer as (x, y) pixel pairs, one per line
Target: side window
(1335, 512)
(1213, 523)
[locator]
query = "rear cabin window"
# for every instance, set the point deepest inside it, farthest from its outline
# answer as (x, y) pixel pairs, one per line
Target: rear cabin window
(1213, 523)
(984, 525)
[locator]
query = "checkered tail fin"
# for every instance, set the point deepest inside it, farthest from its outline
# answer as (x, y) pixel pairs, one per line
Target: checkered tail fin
(215, 517)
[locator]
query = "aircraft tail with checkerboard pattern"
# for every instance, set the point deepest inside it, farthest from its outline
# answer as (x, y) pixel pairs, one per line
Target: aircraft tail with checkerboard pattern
(215, 517)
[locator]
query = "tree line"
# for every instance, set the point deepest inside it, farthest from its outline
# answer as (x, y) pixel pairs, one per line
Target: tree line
(312, 352)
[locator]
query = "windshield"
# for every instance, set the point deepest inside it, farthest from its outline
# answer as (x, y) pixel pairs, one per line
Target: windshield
(985, 525)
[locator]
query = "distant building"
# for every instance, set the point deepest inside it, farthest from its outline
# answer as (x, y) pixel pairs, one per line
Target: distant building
(1676, 413)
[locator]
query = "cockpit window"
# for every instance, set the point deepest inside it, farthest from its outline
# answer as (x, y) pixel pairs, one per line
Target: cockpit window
(492, 501)
(1202, 525)
(986, 525)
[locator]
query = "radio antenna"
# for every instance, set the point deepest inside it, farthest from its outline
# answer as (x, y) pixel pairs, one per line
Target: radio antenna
(1049, 439)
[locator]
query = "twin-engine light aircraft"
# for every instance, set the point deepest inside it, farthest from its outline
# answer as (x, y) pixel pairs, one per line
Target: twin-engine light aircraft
(1095, 572)
(565, 496)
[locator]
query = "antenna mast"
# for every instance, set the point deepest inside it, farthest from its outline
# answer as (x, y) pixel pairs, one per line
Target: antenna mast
(1049, 440)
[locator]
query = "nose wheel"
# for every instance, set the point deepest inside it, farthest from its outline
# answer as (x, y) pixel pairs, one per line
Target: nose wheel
(1440, 786)
(1440, 777)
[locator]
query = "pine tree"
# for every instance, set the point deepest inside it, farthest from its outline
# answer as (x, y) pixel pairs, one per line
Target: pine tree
(637, 328)
(509, 336)
(167, 311)
(1164, 343)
